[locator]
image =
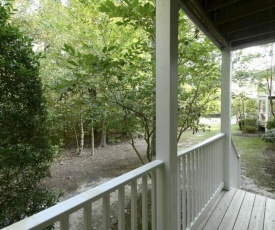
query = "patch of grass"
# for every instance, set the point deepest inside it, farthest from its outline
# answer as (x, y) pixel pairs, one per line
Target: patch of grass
(255, 163)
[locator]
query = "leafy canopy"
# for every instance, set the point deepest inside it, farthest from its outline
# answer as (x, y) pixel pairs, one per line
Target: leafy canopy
(25, 152)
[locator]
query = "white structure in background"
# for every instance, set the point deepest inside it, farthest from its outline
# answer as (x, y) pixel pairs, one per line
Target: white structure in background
(264, 109)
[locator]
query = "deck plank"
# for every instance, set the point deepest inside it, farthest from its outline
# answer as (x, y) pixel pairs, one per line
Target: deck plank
(269, 221)
(244, 215)
(257, 216)
(216, 217)
(232, 211)
(210, 211)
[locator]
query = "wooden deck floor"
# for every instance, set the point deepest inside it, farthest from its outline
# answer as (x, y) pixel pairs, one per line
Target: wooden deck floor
(239, 210)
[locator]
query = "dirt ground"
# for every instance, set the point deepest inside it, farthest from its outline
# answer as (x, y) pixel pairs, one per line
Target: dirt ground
(72, 174)
(248, 184)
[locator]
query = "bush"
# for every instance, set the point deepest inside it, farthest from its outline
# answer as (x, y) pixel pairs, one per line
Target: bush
(248, 123)
(269, 137)
(270, 124)
(25, 152)
(250, 129)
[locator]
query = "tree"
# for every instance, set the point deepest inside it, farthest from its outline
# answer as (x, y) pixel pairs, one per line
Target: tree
(256, 70)
(25, 151)
(119, 67)
(199, 76)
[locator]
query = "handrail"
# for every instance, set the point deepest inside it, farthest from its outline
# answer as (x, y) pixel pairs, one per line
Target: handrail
(199, 145)
(54, 213)
(235, 149)
(236, 164)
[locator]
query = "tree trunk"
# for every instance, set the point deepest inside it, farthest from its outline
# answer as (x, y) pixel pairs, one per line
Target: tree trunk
(76, 138)
(153, 140)
(92, 141)
(103, 137)
(82, 135)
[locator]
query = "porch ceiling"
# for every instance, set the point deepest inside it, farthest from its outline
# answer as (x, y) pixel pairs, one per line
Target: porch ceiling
(239, 23)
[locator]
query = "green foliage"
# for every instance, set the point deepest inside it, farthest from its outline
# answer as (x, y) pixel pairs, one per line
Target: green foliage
(25, 152)
(270, 124)
(108, 47)
(199, 76)
(250, 129)
(248, 125)
(269, 137)
(243, 106)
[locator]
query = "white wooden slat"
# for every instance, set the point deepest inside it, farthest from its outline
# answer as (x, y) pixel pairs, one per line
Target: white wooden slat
(216, 163)
(196, 187)
(216, 218)
(220, 161)
(244, 215)
(121, 208)
(183, 193)
(188, 200)
(179, 191)
(210, 178)
(208, 172)
(64, 223)
(192, 187)
(232, 211)
(134, 205)
(269, 221)
(214, 175)
(200, 181)
(204, 176)
(257, 216)
(144, 203)
(153, 200)
(87, 217)
(106, 212)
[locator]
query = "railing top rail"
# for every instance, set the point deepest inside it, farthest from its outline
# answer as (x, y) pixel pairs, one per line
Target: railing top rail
(52, 214)
(234, 148)
(203, 143)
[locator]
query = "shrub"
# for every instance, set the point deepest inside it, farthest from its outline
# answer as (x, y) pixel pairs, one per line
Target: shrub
(248, 123)
(241, 124)
(25, 152)
(250, 129)
(270, 124)
(269, 137)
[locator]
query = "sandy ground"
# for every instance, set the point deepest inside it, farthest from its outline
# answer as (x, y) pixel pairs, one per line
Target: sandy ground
(72, 175)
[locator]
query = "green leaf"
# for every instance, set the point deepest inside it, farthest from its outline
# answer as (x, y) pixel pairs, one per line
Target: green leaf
(72, 63)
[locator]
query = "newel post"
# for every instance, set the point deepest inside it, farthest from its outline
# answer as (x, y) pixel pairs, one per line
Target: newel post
(166, 111)
(226, 114)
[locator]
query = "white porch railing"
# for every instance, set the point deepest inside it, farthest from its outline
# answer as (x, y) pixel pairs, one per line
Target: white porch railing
(142, 177)
(200, 176)
(200, 171)
(236, 170)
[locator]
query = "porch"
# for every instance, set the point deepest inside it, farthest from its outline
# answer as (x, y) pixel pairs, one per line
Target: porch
(184, 187)
(240, 210)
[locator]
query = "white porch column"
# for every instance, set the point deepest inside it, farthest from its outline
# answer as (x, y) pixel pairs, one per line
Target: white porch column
(226, 113)
(166, 111)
